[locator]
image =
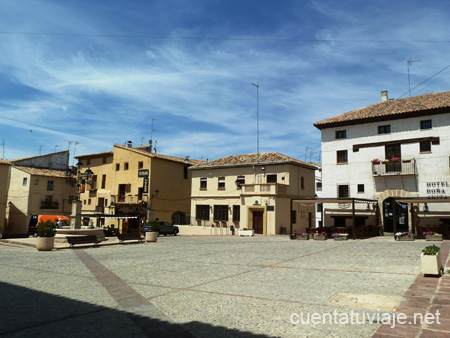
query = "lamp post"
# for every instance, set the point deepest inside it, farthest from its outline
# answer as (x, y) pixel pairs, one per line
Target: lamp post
(76, 178)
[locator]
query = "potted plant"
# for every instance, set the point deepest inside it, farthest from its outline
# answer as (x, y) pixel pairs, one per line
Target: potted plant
(320, 236)
(395, 159)
(432, 236)
(376, 161)
(406, 160)
(404, 236)
(431, 260)
(46, 236)
(302, 236)
(246, 232)
(152, 235)
(339, 236)
(385, 161)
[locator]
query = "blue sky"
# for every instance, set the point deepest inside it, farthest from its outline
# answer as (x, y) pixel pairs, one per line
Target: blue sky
(98, 72)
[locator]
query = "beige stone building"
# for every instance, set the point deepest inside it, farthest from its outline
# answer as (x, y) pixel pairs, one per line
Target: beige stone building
(254, 192)
(133, 185)
(4, 183)
(37, 186)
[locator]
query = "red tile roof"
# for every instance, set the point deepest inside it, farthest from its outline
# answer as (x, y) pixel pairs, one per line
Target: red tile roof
(392, 109)
(252, 159)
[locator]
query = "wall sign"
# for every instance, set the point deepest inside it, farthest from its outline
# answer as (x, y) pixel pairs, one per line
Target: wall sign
(438, 188)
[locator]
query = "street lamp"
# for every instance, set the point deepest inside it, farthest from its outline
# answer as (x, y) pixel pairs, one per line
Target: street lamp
(76, 178)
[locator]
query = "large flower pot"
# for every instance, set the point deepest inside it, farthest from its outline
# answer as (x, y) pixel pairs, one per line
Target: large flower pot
(45, 243)
(302, 238)
(246, 233)
(405, 238)
(431, 264)
(433, 238)
(320, 238)
(151, 236)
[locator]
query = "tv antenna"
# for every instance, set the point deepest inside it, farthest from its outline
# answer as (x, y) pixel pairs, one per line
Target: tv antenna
(151, 133)
(409, 80)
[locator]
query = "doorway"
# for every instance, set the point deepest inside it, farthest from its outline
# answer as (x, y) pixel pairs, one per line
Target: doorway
(393, 151)
(258, 222)
(400, 213)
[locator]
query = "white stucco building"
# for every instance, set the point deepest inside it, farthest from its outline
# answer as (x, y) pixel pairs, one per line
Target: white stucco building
(396, 152)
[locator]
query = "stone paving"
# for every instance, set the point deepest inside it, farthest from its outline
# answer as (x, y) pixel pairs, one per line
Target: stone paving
(217, 286)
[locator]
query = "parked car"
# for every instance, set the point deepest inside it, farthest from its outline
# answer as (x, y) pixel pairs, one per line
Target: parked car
(164, 229)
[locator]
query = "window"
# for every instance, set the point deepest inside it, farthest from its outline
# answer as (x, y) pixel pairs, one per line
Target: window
(294, 216)
(302, 182)
(140, 165)
(104, 160)
(425, 124)
(125, 166)
(36, 181)
(117, 166)
(240, 180)
(94, 182)
(343, 191)
(384, 129)
(221, 183)
(49, 185)
(71, 198)
(89, 201)
(319, 186)
(202, 212)
(272, 178)
(185, 172)
(25, 181)
(425, 146)
(342, 156)
(103, 181)
(319, 207)
(236, 213)
(203, 183)
(360, 188)
(221, 212)
(88, 161)
(341, 134)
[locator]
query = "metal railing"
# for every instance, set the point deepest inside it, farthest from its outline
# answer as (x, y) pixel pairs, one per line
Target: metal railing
(405, 167)
(264, 188)
(128, 199)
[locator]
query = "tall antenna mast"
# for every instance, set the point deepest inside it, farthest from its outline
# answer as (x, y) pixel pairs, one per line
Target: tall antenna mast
(151, 133)
(257, 122)
(409, 80)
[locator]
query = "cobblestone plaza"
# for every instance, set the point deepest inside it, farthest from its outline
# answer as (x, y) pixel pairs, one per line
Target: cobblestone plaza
(216, 287)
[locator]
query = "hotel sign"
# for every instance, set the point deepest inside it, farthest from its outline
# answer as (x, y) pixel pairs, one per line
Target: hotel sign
(438, 188)
(144, 173)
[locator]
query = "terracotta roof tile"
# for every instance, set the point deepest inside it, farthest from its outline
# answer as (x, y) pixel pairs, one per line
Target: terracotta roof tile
(252, 159)
(390, 109)
(36, 156)
(42, 172)
(161, 156)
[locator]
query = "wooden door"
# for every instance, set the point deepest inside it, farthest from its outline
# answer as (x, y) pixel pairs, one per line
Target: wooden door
(258, 222)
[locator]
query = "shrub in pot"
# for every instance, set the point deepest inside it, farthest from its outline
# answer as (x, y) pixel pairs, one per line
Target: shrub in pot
(46, 232)
(431, 260)
(152, 235)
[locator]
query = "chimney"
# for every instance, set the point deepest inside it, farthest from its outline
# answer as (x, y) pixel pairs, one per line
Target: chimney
(384, 95)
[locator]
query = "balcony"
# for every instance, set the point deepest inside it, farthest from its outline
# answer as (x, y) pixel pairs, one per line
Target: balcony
(128, 199)
(405, 167)
(49, 205)
(264, 189)
(100, 209)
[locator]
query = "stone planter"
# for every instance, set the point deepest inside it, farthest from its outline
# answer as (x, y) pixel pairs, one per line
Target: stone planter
(45, 243)
(302, 238)
(246, 232)
(433, 238)
(319, 238)
(431, 264)
(341, 238)
(151, 236)
(405, 238)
